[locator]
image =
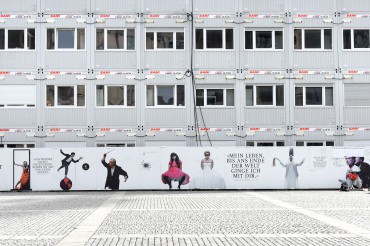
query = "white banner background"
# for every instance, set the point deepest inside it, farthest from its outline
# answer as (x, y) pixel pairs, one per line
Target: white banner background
(240, 168)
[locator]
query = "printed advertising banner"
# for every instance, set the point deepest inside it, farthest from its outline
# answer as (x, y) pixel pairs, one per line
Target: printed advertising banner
(46, 169)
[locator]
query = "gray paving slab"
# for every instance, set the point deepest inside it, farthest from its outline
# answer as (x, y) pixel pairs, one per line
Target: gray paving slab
(177, 218)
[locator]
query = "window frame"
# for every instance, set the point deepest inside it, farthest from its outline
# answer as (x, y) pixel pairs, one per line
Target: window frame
(322, 36)
(170, 30)
(6, 43)
(106, 96)
(323, 96)
(125, 40)
(223, 29)
(205, 93)
(255, 96)
(263, 30)
(156, 96)
(75, 43)
(56, 96)
(353, 39)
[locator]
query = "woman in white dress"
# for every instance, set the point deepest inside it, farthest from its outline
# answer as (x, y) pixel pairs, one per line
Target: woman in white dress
(207, 178)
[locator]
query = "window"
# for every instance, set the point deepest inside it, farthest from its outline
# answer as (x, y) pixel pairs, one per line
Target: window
(313, 96)
(65, 39)
(17, 145)
(115, 39)
(115, 145)
(17, 39)
(165, 39)
(215, 97)
(220, 39)
(17, 96)
(165, 95)
(264, 95)
(356, 38)
(314, 143)
(356, 95)
(263, 40)
(65, 96)
(115, 95)
(264, 144)
(312, 39)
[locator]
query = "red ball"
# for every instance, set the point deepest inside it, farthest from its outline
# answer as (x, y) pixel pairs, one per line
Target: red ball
(66, 184)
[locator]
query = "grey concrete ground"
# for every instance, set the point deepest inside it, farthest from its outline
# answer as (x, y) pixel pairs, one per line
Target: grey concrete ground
(186, 218)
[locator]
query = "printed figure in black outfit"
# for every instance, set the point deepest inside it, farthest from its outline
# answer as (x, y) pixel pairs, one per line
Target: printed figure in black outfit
(67, 160)
(364, 171)
(113, 172)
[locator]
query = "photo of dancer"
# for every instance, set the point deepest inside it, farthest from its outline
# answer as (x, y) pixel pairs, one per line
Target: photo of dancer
(207, 178)
(24, 182)
(175, 172)
(358, 173)
(291, 171)
(67, 161)
(113, 172)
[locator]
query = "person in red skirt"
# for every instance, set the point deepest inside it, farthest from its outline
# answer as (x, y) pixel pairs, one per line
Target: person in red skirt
(175, 172)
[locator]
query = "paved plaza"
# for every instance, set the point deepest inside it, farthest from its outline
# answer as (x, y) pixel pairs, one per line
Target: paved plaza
(185, 218)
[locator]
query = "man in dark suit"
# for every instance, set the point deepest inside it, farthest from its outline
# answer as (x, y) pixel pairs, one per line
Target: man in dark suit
(113, 172)
(67, 160)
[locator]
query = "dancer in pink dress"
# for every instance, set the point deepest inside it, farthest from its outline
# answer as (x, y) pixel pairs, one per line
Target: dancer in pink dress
(175, 172)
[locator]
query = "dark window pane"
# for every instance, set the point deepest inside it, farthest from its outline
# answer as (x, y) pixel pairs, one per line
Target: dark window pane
(249, 95)
(263, 39)
(298, 39)
(264, 95)
(312, 39)
(50, 39)
(100, 39)
(15, 39)
(279, 95)
(230, 97)
(280, 144)
(329, 143)
(327, 39)
(313, 95)
(329, 96)
(115, 39)
(80, 95)
(265, 144)
(229, 39)
(346, 39)
(180, 95)
(150, 40)
(361, 39)
(299, 143)
(199, 39)
(2, 39)
(130, 39)
(248, 40)
(179, 40)
(50, 95)
(200, 97)
(315, 144)
(131, 95)
(214, 39)
(215, 97)
(299, 96)
(66, 95)
(31, 39)
(100, 95)
(66, 39)
(165, 95)
(278, 40)
(249, 144)
(165, 40)
(115, 96)
(116, 145)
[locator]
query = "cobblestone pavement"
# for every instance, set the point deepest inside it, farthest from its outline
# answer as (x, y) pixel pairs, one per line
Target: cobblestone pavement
(186, 218)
